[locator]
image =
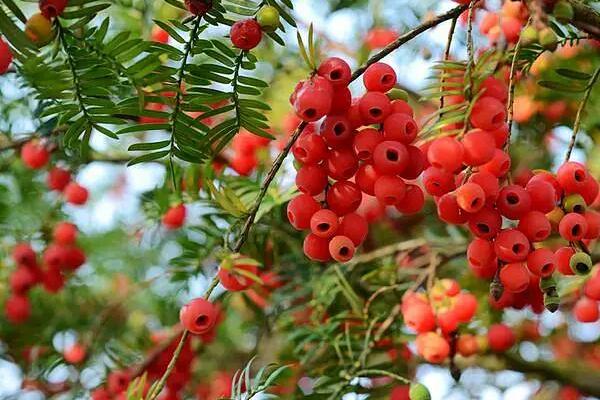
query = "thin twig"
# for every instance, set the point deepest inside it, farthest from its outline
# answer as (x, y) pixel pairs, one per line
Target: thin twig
(577, 123)
(446, 58)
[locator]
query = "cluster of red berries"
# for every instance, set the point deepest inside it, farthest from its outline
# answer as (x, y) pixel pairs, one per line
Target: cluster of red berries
(435, 317)
(35, 155)
(377, 161)
(586, 308)
(507, 22)
(60, 258)
(246, 150)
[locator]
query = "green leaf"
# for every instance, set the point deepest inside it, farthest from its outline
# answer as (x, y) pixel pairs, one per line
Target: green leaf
(569, 73)
(172, 32)
(569, 88)
(303, 52)
(149, 146)
(15, 10)
(149, 157)
(252, 81)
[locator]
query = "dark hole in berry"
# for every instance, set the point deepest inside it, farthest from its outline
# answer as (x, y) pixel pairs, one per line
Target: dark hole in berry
(310, 113)
(476, 202)
(498, 118)
(339, 129)
(202, 320)
(546, 268)
(335, 74)
(391, 155)
(483, 228)
(576, 230)
(512, 198)
(582, 267)
(579, 176)
(323, 227)
(344, 251)
(578, 208)
(387, 79)
(517, 248)
(375, 112)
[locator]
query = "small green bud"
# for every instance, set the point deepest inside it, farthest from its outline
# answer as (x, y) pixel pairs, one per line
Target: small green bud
(397, 94)
(581, 263)
(529, 35)
(548, 284)
(548, 39)
(268, 18)
(574, 203)
(418, 391)
(563, 11)
(551, 302)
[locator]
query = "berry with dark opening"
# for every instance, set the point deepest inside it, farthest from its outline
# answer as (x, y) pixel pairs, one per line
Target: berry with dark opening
(541, 262)
(336, 131)
(198, 316)
(324, 223)
(511, 245)
(374, 107)
(535, 226)
(343, 197)
(379, 77)
(470, 197)
(488, 114)
(573, 227)
(336, 71)
(390, 157)
(354, 227)
(341, 248)
(400, 127)
(580, 263)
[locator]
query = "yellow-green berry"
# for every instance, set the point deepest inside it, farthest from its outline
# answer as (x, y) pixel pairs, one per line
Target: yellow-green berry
(574, 203)
(581, 263)
(419, 392)
(268, 18)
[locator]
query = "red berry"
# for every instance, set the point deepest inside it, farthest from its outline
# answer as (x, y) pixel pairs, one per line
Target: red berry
(198, 7)
(374, 107)
(343, 197)
(447, 321)
(449, 210)
(573, 227)
(336, 70)
(402, 107)
(437, 181)
(22, 279)
(198, 316)
(58, 179)
(586, 310)
(379, 77)
(541, 262)
(76, 194)
(485, 223)
(495, 88)
(479, 147)
(341, 101)
(234, 279)
(413, 201)
(246, 34)
(400, 127)
(513, 202)
(515, 277)
(336, 131)
(390, 158)
(17, 309)
(434, 348)
(590, 190)
(593, 222)
(174, 217)
(300, 210)
(117, 382)
(467, 345)
(500, 135)
(74, 258)
(500, 337)
(6, 56)
(542, 194)
(592, 287)
(365, 178)
(324, 223)
(365, 142)
(313, 99)
(488, 114)
(64, 233)
(470, 197)
(563, 257)
(390, 190)
(499, 165)
(465, 307)
(511, 245)
(52, 8)
(316, 248)
(311, 179)
(480, 253)
(310, 149)
(74, 354)
(572, 177)
(34, 155)
(535, 226)
(489, 183)
(416, 163)
(24, 255)
(341, 248)
(419, 317)
(243, 164)
(446, 153)
(354, 227)
(551, 179)
(342, 164)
